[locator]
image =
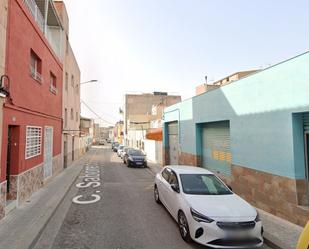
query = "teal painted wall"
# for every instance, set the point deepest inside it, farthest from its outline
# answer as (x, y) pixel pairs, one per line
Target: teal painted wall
(266, 132)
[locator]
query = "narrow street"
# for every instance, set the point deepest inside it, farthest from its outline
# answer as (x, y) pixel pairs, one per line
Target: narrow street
(126, 216)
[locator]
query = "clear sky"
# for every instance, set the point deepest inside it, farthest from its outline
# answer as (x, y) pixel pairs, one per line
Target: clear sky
(170, 45)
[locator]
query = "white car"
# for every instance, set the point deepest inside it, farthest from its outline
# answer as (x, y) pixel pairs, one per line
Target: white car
(119, 150)
(206, 210)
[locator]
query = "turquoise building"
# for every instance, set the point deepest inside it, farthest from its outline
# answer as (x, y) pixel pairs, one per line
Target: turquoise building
(253, 133)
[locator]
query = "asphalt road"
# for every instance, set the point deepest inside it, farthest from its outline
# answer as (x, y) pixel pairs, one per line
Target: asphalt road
(125, 217)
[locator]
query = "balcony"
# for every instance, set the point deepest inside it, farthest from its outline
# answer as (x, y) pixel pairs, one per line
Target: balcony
(46, 17)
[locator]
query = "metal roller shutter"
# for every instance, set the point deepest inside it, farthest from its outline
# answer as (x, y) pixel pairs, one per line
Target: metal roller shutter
(173, 142)
(217, 155)
(306, 121)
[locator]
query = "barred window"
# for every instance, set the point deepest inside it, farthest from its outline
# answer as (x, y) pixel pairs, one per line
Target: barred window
(33, 141)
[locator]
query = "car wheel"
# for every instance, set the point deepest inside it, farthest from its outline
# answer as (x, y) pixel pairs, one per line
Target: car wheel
(184, 227)
(156, 194)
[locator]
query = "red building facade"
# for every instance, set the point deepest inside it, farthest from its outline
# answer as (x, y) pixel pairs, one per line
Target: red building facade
(31, 134)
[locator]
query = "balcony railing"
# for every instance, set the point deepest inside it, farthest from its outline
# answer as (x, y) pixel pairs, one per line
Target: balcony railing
(36, 13)
(50, 33)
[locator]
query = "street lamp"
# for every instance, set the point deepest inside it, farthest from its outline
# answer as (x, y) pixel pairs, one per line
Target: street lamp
(90, 81)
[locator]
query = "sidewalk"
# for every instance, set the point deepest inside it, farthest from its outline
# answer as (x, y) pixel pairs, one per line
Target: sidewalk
(20, 228)
(278, 233)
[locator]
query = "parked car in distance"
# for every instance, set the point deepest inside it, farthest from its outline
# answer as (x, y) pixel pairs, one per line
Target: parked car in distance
(114, 146)
(124, 152)
(108, 140)
(102, 142)
(135, 157)
(119, 150)
(206, 209)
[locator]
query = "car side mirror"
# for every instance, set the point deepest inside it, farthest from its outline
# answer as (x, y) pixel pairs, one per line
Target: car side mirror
(230, 187)
(175, 187)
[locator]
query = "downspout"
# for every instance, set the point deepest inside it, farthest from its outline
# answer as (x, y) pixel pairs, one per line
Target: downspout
(45, 16)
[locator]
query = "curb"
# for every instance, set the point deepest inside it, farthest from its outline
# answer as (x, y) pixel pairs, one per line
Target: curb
(272, 241)
(38, 235)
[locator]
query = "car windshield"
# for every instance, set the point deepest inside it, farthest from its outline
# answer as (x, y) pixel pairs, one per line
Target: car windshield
(203, 184)
(120, 147)
(136, 153)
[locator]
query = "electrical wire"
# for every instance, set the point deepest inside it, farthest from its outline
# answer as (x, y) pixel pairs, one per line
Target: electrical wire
(98, 116)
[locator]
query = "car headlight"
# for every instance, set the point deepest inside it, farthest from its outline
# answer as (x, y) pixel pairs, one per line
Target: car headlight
(200, 217)
(130, 158)
(257, 218)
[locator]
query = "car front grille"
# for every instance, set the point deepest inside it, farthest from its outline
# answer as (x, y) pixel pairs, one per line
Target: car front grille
(236, 242)
(236, 225)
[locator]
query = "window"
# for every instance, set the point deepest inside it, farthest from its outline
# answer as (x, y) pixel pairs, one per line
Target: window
(72, 114)
(33, 141)
(173, 179)
(166, 174)
(35, 66)
(53, 83)
(67, 44)
(65, 117)
(72, 80)
(76, 116)
(66, 81)
(77, 88)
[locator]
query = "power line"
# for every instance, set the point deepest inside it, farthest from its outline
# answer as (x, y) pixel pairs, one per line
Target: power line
(98, 116)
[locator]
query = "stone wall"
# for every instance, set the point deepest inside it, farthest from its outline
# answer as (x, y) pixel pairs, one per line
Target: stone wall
(2, 199)
(189, 159)
(29, 182)
(274, 194)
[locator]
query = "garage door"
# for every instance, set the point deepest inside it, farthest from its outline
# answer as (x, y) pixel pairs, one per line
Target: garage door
(173, 142)
(306, 121)
(217, 155)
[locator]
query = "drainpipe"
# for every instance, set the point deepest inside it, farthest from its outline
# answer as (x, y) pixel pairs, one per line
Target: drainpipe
(45, 16)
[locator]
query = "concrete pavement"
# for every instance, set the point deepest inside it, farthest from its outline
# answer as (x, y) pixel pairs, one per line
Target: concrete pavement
(20, 228)
(125, 217)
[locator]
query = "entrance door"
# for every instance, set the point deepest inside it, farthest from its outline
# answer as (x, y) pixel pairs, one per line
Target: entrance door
(12, 160)
(65, 154)
(48, 152)
(173, 143)
(73, 139)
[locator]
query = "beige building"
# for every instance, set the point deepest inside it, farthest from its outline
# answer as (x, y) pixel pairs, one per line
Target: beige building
(141, 113)
(226, 80)
(71, 94)
(96, 133)
(86, 134)
(138, 109)
(3, 25)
